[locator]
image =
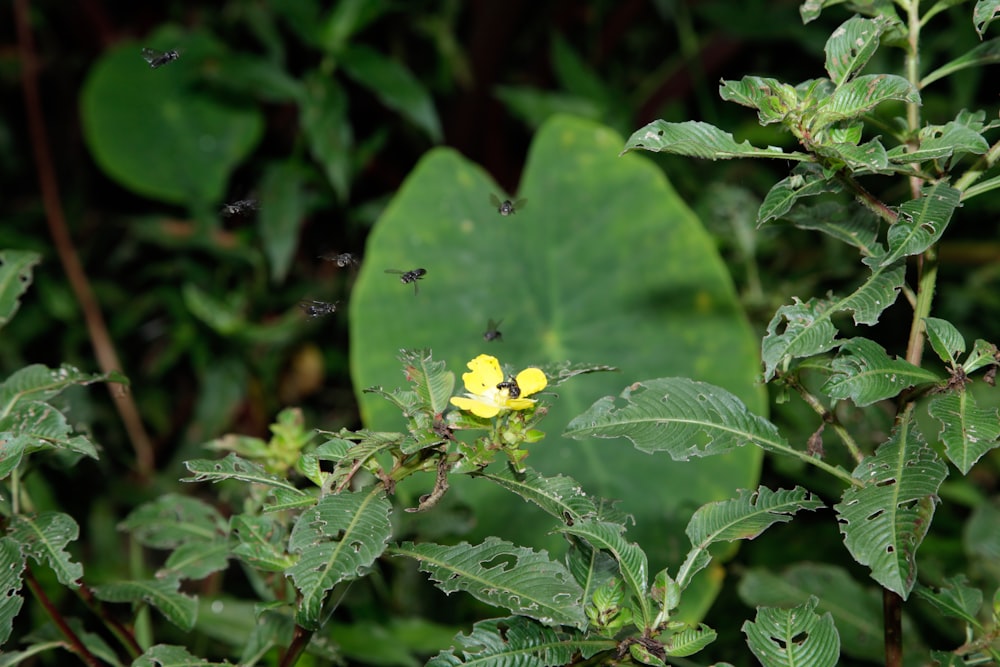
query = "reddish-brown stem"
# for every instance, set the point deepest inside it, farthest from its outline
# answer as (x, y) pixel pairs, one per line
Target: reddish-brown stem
(123, 634)
(76, 645)
(104, 349)
(299, 641)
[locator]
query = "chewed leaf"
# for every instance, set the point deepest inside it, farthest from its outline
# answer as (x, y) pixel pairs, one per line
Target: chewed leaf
(921, 221)
(172, 520)
(434, 384)
(560, 496)
(679, 416)
(864, 373)
(337, 540)
(852, 45)
(15, 278)
(985, 12)
(863, 94)
(517, 641)
(885, 521)
(806, 180)
(945, 339)
(967, 431)
(797, 636)
(697, 139)
(499, 573)
(44, 537)
(773, 99)
(234, 467)
(12, 564)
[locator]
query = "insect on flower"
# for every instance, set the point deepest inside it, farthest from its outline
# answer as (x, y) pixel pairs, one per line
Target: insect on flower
(315, 309)
(159, 58)
(510, 384)
(409, 276)
(507, 207)
(239, 207)
(341, 259)
(493, 331)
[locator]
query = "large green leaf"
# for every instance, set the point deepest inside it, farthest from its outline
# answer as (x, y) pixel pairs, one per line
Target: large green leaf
(604, 265)
(517, 641)
(155, 132)
(797, 636)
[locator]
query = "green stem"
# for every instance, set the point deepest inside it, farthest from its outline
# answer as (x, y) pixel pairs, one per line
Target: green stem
(984, 163)
(925, 295)
(828, 417)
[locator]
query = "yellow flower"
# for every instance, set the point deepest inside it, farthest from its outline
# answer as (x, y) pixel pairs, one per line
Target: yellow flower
(488, 393)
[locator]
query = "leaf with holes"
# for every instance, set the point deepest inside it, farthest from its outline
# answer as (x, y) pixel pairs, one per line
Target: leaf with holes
(797, 636)
(967, 430)
(921, 221)
(861, 95)
(697, 139)
(44, 537)
(806, 180)
(885, 520)
(864, 373)
(501, 574)
(234, 467)
(12, 563)
(772, 99)
(337, 540)
(15, 278)
(432, 382)
(688, 641)
(852, 45)
(984, 13)
(518, 641)
(166, 655)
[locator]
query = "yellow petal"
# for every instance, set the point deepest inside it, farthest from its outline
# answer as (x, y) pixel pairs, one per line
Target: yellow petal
(520, 403)
(485, 374)
(531, 381)
(475, 407)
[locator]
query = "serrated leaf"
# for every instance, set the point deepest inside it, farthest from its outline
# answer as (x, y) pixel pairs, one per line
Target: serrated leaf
(432, 382)
(166, 655)
(164, 594)
(558, 373)
(12, 564)
(689, 641)
(807, 326)
(590, 567)
(921, 221)
(866, 158)
(517, 642)
(955, 598)
(967, 430)
(196, 560)
(15, 278)
(806, 180)
(501, 574)
(44, 537)
(39, 383)
(35, 425)
(680, 416)
(394, 85)
(983, 353)
(172, 520)
(234, 467)
(741, 518)
(632, 563)
(560, 496)
(987, 53)
(864, 373)
(941, 141)
(337, 540)
(945, 339)
(261, 541)
(857, 227)
(852, 45)
(984, 13)
(697, 139)
(885, 521)
(857, 97)
(773, 99)
(856, 611)
(790, 637)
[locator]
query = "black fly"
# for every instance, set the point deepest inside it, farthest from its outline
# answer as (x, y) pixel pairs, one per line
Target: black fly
(493, 331)
(315, 309)
(507, 207)
(341, 259)
(239, 207)
(510, 385)
(409, 276)
(159, 58)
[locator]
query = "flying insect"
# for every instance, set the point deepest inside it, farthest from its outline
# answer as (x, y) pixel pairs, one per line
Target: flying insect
(493, 331)
(239, 207)
(159, 58)
(510, 384)
(507, 207)
(316, 309)
(409, 276)
(341, 259)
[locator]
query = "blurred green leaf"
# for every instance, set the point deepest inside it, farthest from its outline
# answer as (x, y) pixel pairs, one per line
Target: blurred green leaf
(328, 130)
(164, 594)
(394, 85)
(954, 598)
(12, 563)
(15, 278)
(155, 132)
(282, 215)
(605, 265)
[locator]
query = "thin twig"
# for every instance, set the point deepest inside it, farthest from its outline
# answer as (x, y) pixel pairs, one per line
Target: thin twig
(104, 349)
